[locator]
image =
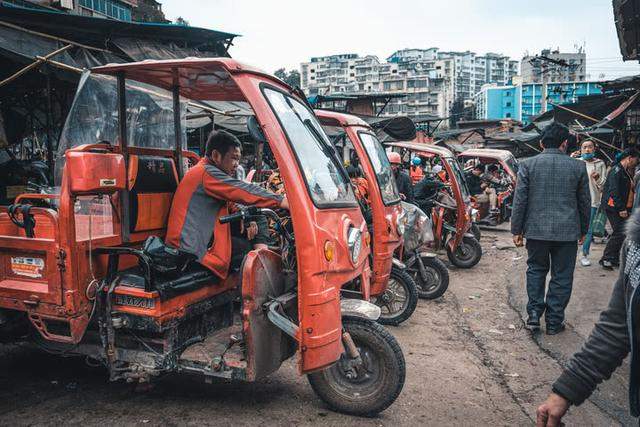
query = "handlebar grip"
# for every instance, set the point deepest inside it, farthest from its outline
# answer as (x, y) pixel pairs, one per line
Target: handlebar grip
(233, 217)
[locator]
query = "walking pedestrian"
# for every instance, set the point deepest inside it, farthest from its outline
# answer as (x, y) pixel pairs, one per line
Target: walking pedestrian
(617, 202)
(613, 337)
(551, 209)
(597, 172)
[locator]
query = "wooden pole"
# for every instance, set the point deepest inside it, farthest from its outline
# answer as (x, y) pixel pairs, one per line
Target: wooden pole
(577, 113)
(34, 65)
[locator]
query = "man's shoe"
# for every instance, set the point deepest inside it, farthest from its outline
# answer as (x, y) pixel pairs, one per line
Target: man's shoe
(533, 323)
(584, 261)
(554, 330)
(606, 264)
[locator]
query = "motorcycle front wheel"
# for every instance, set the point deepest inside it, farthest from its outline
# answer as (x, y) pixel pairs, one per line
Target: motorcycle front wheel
(467, 254)
(399, 300)
(433, 281)
(370, 386)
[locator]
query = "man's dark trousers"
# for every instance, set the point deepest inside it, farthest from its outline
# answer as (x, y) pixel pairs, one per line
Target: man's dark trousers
(560, 257)
(616, 239)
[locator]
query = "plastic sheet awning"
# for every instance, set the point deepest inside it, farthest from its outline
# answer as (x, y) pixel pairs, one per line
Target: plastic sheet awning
(26, 34)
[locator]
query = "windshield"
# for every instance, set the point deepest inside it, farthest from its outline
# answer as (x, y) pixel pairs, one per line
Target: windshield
(93, 117)
(462, 183)
(381, 166)
(325, 180)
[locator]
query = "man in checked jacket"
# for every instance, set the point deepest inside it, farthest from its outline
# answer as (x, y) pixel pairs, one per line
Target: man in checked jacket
(208, 191)
(551, 209)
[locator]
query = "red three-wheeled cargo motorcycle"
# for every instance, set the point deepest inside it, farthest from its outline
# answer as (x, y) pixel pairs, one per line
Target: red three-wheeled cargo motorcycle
(80, 272)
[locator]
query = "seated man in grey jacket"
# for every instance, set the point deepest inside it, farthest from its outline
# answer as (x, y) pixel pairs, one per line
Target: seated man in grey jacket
(613, 337)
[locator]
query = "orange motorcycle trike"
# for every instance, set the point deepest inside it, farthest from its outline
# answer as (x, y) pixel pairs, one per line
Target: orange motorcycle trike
(451, 209)
(390, 275)
(392, 288)
(508, 166)
(89, 274)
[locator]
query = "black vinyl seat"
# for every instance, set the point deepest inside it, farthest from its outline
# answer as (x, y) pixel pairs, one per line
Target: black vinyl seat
(169, 285)
(169, 271)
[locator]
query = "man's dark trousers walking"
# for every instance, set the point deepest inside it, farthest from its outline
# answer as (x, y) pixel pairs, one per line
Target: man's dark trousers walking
(551, 209)
(560, 257)
(612, 250)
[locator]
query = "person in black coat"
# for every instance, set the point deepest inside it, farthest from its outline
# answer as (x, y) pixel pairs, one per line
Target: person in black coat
(425, 191)
(405, 188)
(617, 202)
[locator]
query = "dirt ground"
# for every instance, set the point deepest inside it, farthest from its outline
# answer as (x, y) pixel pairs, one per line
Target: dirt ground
(469, 362)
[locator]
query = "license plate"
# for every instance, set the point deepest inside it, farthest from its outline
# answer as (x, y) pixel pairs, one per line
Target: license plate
(131, 301)
(27, 267)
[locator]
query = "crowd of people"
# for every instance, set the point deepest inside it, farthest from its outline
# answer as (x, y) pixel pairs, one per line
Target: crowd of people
(560, 204)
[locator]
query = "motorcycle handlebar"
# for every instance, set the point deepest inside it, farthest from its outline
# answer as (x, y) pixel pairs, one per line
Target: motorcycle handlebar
(233, 217)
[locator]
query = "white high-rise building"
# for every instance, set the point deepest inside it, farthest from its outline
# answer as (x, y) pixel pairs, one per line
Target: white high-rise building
(431, 80)
(554, 66)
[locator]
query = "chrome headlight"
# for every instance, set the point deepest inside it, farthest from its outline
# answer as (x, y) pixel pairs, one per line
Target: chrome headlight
(401, 222)
(474, 214)
(354, 242)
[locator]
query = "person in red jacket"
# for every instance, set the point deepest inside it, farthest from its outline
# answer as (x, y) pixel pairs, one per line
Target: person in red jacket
(208, 191)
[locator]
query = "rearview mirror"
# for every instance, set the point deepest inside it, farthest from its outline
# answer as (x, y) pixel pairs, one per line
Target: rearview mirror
(255, 130)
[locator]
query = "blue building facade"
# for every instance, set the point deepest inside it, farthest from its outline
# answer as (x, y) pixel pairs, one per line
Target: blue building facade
(522, 102)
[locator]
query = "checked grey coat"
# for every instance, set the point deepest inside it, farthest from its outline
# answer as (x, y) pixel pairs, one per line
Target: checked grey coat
(552, 199)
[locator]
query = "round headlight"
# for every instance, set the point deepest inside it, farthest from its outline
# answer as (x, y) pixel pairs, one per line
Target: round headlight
(354, 242)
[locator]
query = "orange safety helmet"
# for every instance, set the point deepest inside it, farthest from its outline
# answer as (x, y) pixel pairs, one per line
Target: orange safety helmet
(394, 158)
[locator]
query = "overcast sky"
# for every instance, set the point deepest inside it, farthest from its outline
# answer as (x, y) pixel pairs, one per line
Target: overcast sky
(283, 33)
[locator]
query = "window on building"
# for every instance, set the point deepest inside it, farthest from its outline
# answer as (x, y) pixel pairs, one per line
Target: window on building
(394, 71)
(508, 104)
(507, 93)
(110, 8)
(508, 115)
(313, 71)
(313, 78)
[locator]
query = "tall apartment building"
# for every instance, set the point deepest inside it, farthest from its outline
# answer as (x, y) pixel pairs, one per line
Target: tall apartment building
(123, 10)
(423, 84)
(555, 66)
(432, 80)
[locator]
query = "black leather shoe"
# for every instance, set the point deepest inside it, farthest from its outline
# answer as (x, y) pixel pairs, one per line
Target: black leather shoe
(606, 264)
(554, 330)
(533, 323)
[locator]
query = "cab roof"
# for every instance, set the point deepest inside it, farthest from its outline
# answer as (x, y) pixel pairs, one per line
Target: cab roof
(426, 149)
(334, 118)
(492, 153)
(197, 78)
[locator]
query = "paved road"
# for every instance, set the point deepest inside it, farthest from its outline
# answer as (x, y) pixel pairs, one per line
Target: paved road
(469, 362)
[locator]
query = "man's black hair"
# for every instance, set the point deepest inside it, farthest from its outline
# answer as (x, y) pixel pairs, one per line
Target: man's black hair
(629, 152)
(479, 167)
(353, 171)
(554, 135)
(221, 141)
(493, 167)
